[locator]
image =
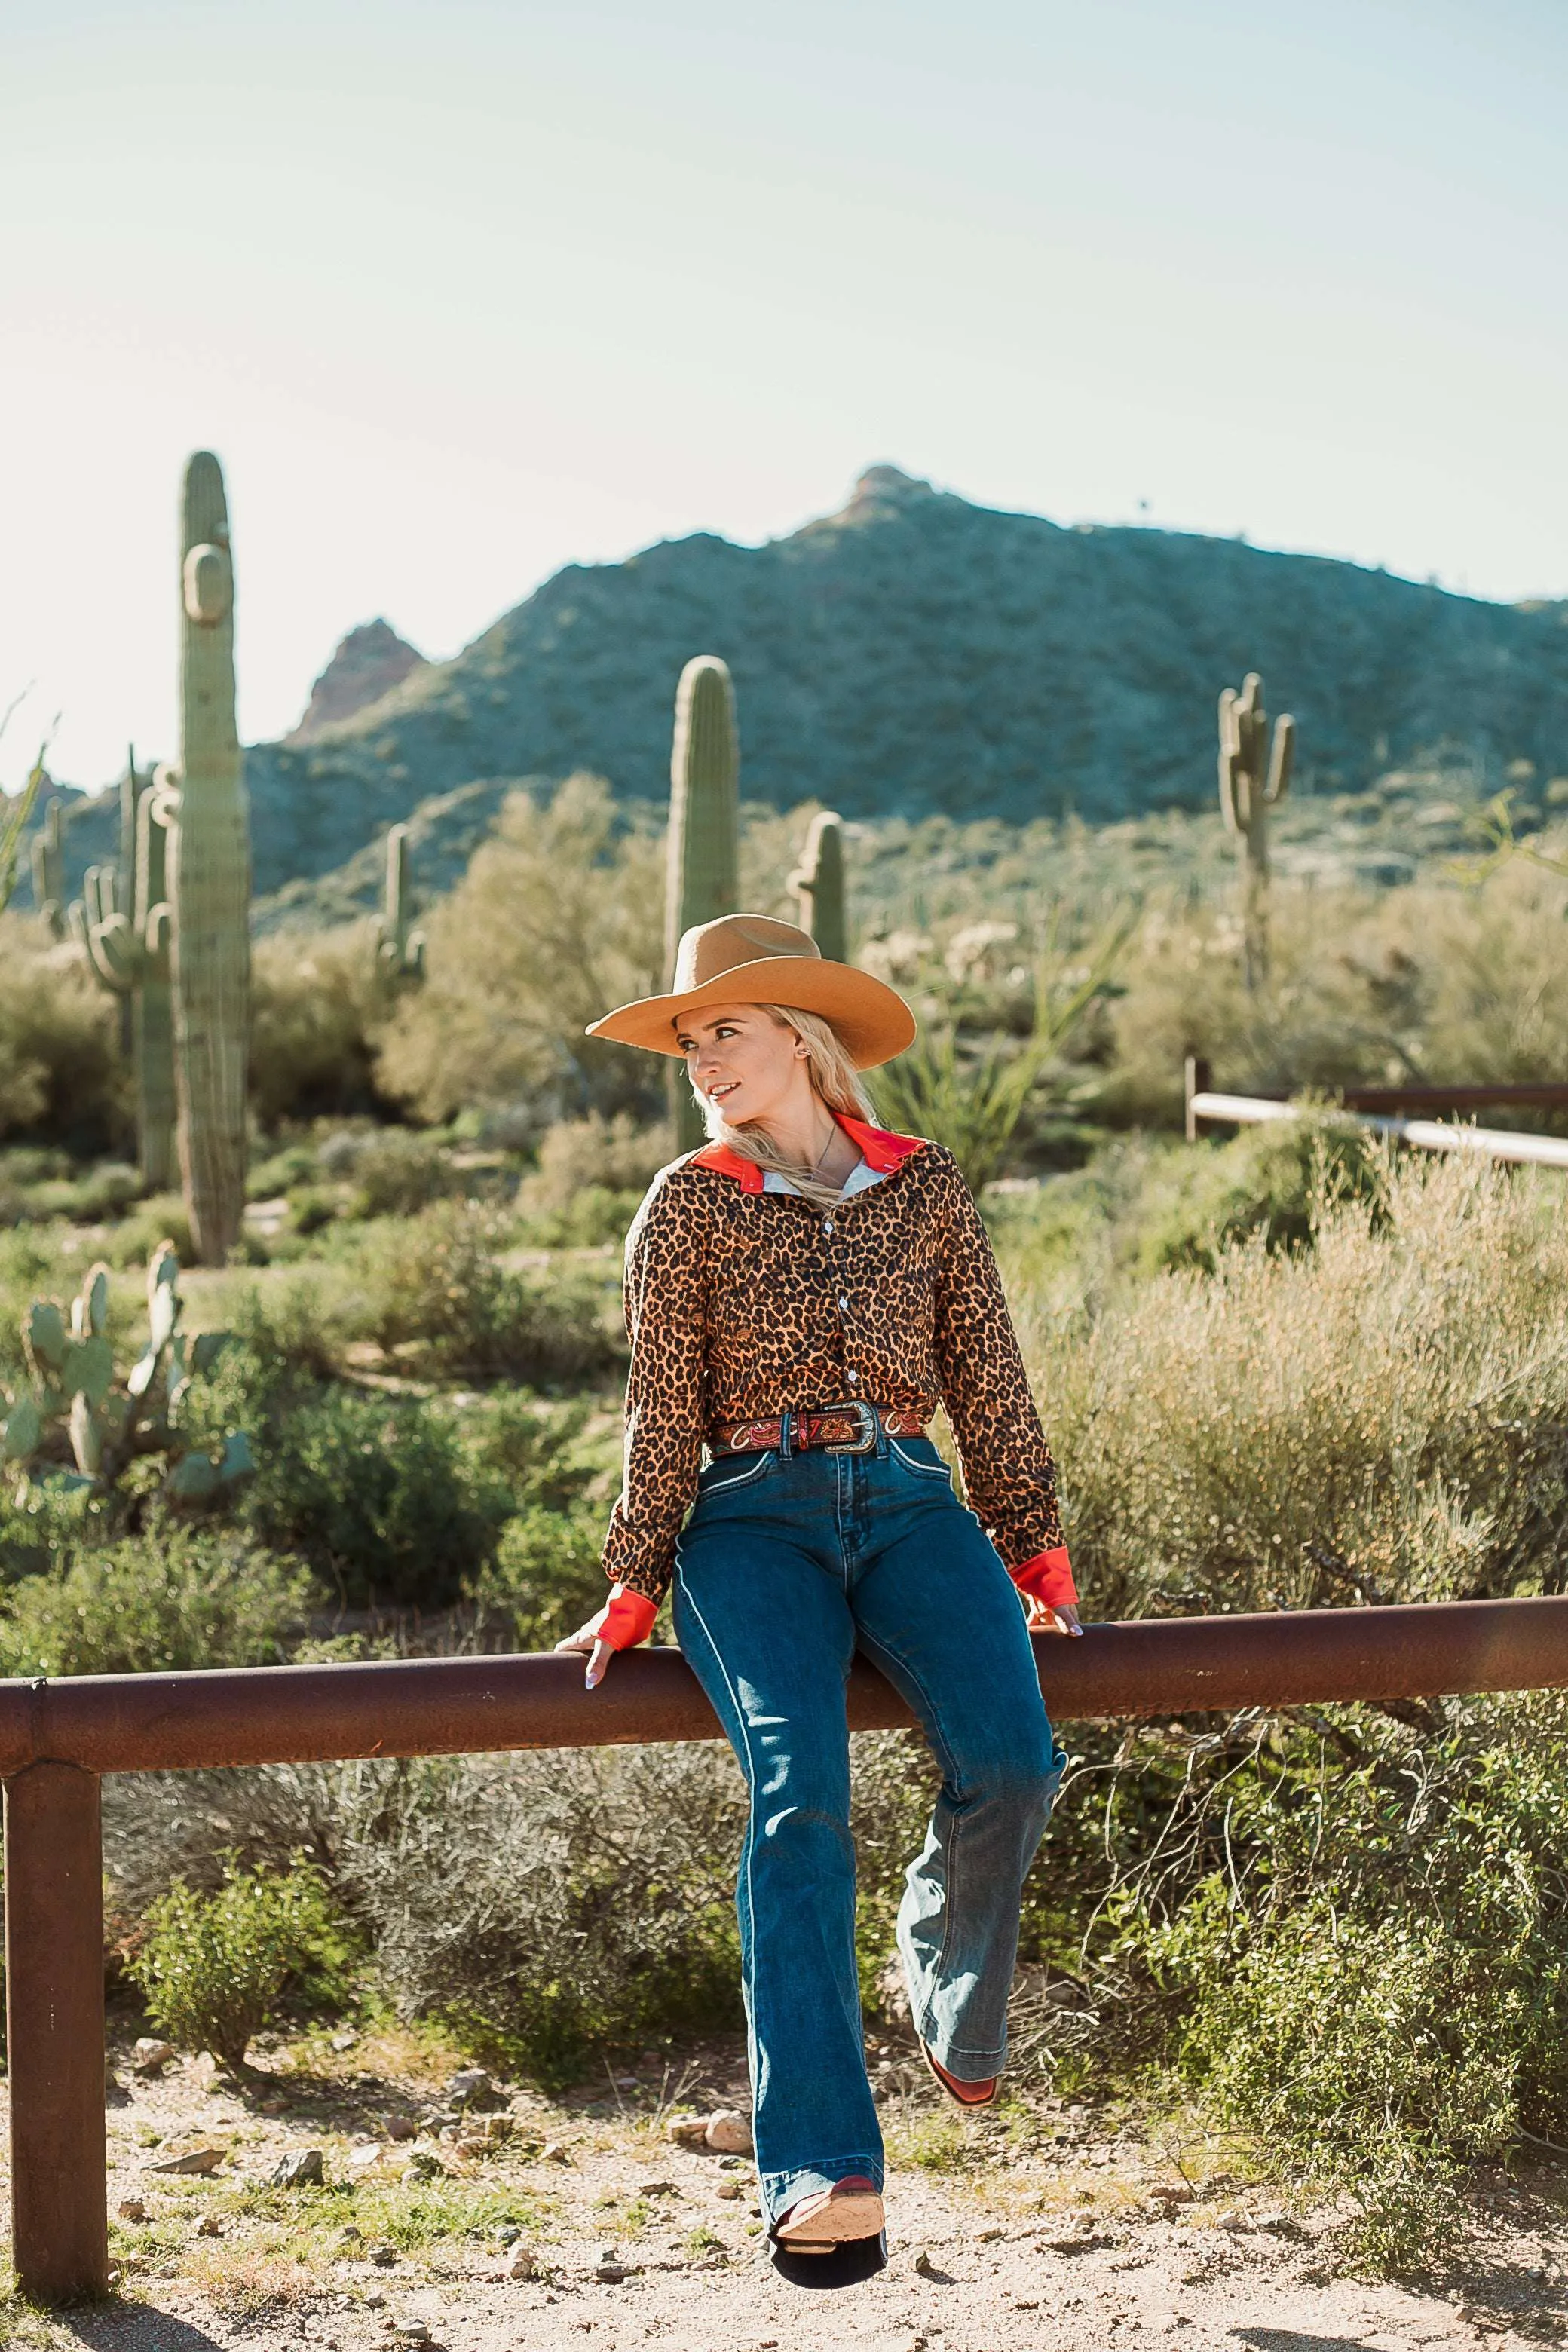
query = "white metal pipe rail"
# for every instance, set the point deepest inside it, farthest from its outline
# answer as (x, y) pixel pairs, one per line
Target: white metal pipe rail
(1204, 1107)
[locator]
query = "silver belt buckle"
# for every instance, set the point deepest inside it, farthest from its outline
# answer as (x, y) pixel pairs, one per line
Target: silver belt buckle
(865, 1419)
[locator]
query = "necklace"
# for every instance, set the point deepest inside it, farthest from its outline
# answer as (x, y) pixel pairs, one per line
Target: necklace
(817, 1164)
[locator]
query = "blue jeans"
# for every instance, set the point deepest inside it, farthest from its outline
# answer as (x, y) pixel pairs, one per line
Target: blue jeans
(785, 1567)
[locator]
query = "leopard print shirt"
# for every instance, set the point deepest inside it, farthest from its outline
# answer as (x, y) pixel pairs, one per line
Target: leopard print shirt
(742, 1302)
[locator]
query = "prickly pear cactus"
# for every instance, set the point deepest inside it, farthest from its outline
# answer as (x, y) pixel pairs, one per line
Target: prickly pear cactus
(1253, 779)
(209, 877)
(399, 951)
(701, 876)
(818, 884)
(48, 873)
(76, 1398)
(128, 954)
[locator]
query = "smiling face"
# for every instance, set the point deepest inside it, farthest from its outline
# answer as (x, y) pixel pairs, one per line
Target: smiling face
(744, 1062)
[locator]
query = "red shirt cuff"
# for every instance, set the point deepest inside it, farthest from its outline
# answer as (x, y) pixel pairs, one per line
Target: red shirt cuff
(628, 1619)
(1048, 1577)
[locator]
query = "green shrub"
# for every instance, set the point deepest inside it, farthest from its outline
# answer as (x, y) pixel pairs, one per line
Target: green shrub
(160, 1218)
(1376, 1972)
(399, 1171)
(1272, 1182)
(318, 1007)
(543, 1580)
(213, 1968)
(434, 1288)
(591, 1175)
(174, 1598)
(61, 1079)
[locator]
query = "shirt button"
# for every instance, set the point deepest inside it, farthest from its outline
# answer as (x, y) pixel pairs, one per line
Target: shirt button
(854, 1377)
(827, 1225)
(843, 1306)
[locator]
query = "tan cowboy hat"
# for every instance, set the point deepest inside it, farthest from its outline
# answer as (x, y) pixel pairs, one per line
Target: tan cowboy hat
(753, 960)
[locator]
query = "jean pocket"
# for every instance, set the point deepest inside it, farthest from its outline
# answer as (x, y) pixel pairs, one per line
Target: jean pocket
(755, 1464)
(936, 1468)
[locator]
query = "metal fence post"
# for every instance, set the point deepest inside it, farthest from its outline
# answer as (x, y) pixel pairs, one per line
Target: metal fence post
(54, 2029)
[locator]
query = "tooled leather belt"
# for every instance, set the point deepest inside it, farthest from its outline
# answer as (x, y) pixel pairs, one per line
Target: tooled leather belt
(848, 1428)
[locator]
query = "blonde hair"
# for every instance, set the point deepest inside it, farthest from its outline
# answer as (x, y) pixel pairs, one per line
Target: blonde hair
(833, 1078)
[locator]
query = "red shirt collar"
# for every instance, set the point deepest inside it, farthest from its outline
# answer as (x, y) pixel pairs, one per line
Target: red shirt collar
(881, 1151)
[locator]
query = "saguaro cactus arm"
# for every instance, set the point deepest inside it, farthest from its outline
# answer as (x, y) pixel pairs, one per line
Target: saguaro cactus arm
(818, 884)
(48, 871)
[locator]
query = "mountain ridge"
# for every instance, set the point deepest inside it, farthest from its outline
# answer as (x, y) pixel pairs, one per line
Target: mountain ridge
(915, 654)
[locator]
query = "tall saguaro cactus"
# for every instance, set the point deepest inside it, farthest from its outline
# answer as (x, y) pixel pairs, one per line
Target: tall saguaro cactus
(129, 951)
(1253, 779)
(399, 952)
(818, 884)
(209, 877)
(702, 874)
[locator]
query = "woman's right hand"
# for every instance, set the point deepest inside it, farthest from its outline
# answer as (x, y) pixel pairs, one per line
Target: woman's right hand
(585, 1641)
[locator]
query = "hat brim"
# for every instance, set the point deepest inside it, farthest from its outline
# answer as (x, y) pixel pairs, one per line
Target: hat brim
(870, 1018)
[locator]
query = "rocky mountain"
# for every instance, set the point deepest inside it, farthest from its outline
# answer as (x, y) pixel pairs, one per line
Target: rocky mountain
(369, 662)
(916, 654)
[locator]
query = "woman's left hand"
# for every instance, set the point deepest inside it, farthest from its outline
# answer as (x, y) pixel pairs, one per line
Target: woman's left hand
(1044, 1619)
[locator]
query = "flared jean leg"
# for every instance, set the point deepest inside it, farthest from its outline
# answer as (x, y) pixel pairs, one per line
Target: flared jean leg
(978, 1699)
(772, 1647)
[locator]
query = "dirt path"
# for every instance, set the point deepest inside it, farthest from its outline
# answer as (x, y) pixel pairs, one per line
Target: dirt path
(1042, 2227)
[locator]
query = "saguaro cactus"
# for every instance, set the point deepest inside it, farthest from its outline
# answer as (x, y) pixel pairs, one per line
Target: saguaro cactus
(818, 884)
(399, 952)
(129, 951)
(209, 877)
(48, 873)
(702, 874)
(1253, 779)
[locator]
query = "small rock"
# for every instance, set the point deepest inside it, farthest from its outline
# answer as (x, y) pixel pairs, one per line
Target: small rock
(687, 2131)
(656, 2189)
(731, 2189)
(728, 2133)
(209, 2226)
(305, 2167)
(384, 2256)
(150, 2056)
(345, 2040)
(401, 2127)
(610, 2273)
(375, 2300)
(555, 2151)
(411, 2331)
(425, 2165)
(365, 2159)
(472, 2145)
(132, 2208)
(474, 2088)
(200, 2160)
(523, 2265)
(273, 2106)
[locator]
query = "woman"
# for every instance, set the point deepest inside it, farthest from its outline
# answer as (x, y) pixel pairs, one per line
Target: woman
(801, 1295)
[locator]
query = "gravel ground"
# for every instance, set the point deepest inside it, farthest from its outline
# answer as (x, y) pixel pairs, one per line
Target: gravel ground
(1058, 2223)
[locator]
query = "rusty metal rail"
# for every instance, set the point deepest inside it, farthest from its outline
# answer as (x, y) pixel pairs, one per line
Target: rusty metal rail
(57, 1739)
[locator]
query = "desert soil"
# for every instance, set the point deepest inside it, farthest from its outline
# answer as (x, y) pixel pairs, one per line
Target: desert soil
(1053, 2223)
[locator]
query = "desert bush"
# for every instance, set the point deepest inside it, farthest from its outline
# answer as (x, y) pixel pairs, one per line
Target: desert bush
(552, 1906)
(559, 916)
(372, 1490)
(213, 1968)
(162, 1217)
(60, 1077)
(170, 1599)
(542, 1580)
(1369, 1951)
(1378, 1417)
(398, 1171)
(591, 1177)
(434, 1288)
(1270, 1181)
(318, 1006)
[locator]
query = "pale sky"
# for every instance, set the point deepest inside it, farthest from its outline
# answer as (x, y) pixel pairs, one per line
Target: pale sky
(461, 291)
